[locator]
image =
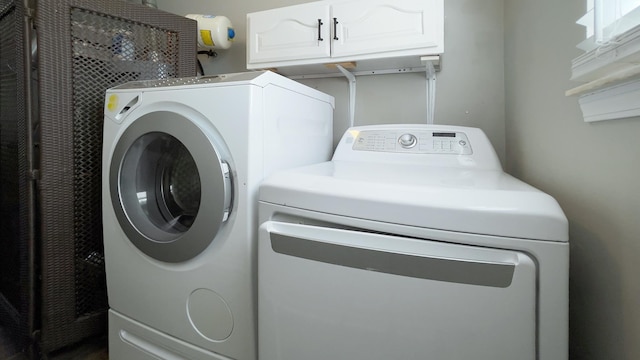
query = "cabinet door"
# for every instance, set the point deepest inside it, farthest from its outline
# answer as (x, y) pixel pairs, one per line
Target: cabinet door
(294, 32)
(379, 26)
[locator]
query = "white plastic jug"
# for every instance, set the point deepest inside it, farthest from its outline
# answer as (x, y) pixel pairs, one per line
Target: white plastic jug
(214, 32)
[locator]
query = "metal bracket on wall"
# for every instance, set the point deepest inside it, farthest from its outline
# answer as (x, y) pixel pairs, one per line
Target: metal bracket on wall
(352, 93)
(432, 64)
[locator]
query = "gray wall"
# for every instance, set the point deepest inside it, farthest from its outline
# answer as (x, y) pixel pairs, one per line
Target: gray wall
(592, 169)
(470, 88)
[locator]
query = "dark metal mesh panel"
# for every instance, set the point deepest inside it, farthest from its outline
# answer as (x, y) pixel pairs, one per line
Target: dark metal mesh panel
(107, 51)
(9, 238)
(14, 284)
(85, 47)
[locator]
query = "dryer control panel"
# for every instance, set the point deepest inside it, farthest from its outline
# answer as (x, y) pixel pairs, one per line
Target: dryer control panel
(413, 141)
(418, 145)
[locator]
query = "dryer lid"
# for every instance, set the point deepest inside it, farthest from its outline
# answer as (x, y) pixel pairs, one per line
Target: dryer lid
(488, 202)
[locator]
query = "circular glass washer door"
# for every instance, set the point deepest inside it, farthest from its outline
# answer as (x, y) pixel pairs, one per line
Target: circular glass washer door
(170, 187)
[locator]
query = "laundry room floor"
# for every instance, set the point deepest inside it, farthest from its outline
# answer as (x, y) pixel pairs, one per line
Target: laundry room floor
(91, 349)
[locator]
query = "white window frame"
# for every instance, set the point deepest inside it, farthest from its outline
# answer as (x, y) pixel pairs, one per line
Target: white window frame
(609, 70)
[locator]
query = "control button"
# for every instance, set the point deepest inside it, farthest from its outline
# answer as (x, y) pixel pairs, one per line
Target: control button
(407, 141)
(462, 143)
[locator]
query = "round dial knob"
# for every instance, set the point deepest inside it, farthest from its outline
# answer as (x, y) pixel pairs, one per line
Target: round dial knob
(407, 141)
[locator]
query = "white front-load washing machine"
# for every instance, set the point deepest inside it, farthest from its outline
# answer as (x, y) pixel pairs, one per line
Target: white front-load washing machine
(412, 243)
(182, 161)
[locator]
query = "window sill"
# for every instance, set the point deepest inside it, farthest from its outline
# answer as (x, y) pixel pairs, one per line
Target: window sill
(611, 79)
(612, 102)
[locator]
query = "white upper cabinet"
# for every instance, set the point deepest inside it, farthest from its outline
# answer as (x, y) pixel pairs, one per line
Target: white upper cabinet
(294, 32)
(376, 26)
(337, 31)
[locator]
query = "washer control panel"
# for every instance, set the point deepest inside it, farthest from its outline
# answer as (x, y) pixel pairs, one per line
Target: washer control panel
(418, 142)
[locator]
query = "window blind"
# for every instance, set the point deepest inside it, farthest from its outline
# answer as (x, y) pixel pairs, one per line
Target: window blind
(609, 69)
(604, 20)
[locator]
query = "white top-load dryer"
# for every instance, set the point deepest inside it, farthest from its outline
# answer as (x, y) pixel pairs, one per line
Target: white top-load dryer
(412, 243)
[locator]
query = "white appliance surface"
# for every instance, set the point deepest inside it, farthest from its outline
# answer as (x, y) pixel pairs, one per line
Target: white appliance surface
(182, 161)
(447, 191)
(411, 243)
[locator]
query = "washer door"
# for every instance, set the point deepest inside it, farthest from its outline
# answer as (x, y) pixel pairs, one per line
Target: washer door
(170, 187)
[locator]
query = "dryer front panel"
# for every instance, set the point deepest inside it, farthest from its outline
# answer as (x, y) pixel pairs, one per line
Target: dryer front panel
(361, 295)
(170, 186)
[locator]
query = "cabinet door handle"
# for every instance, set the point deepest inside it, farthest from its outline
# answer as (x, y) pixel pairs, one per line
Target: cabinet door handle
(319, 30)
(335, 29)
